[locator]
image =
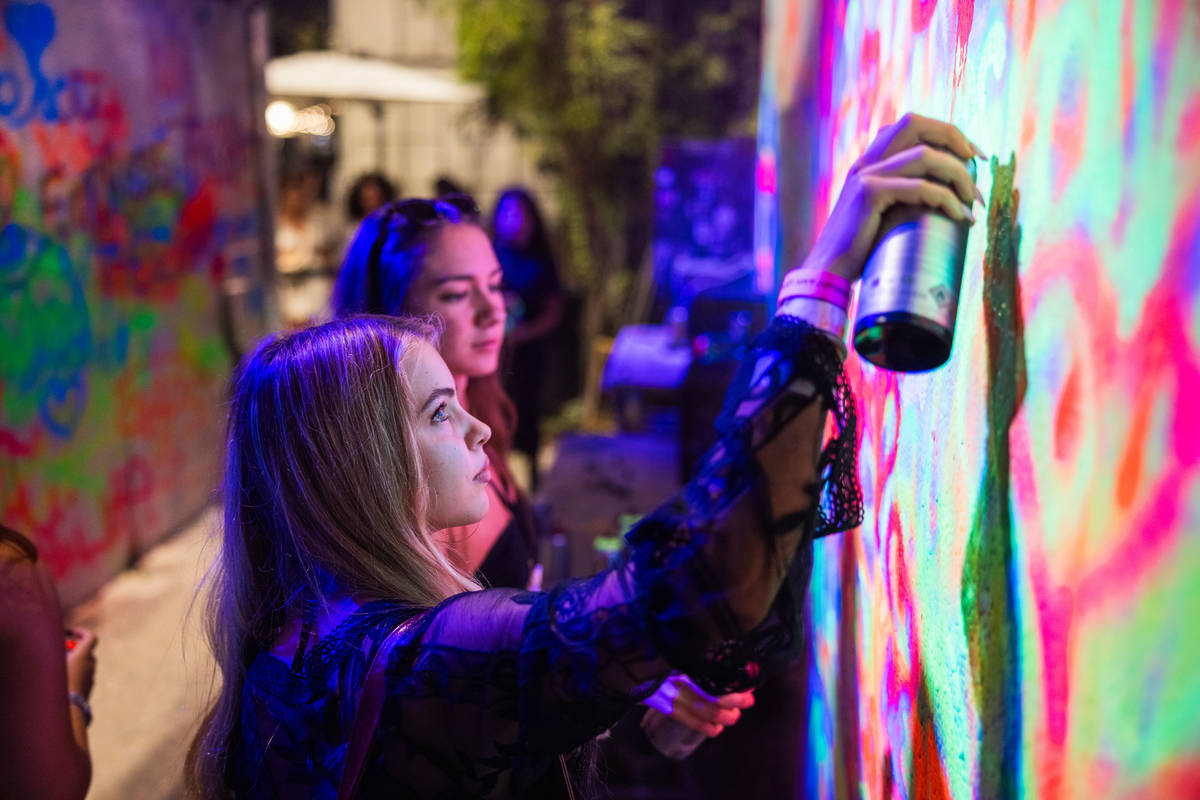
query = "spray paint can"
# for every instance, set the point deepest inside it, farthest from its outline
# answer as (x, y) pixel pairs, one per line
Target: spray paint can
(908, 299)
(669, 736)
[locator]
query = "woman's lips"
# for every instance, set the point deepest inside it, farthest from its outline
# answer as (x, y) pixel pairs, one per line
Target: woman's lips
(487, 344)
(484, 475)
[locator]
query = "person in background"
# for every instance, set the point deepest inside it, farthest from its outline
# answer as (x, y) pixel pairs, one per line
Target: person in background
(445, 267)
(45, 682)
(305, 243)
(445, 186)
(370, 191)
(535, 309)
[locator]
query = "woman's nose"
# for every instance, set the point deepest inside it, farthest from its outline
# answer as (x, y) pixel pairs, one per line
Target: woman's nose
(478, 433)
(488, 308)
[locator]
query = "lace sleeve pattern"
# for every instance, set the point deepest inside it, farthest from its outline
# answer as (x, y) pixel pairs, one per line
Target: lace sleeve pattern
(791, 350)
(789, 366)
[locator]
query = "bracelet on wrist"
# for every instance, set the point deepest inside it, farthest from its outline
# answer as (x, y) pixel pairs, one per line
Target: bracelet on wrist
(827, 286)
(80, 702)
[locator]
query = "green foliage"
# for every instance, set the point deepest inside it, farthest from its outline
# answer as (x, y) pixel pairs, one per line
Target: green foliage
(598, 84)
(298, 25)
(570, 74)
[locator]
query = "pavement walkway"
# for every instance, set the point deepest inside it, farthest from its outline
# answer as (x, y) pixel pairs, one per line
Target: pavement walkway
(153, 670)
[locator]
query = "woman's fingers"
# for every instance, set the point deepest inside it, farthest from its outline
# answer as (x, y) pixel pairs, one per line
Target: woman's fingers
(886, 191)
(699, 722)
(682, 700)
(912, 130)
(696, 722)
(927, 161)
(706, 709)
(902, 165)
(741, 700)
(85, 641)
(81, 662)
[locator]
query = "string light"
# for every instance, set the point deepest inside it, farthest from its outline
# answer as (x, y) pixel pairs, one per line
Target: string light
(284, 120)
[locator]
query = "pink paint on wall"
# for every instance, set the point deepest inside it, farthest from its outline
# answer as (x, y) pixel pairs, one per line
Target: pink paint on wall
(1027, 587)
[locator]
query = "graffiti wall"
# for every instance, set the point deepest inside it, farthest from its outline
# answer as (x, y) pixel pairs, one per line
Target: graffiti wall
(1016, 616)
(128, 199)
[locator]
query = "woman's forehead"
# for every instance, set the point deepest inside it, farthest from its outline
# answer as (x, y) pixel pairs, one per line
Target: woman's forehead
(426, 369)
(460, 251)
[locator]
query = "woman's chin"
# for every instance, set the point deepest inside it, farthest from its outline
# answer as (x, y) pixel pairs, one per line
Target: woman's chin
(478, 365)
(468, 513)
(483, 506)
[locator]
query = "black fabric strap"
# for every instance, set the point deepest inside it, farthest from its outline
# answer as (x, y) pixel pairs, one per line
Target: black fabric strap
(7, 534)
(366, 717)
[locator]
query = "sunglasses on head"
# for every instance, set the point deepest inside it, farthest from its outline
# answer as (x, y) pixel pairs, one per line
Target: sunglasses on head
(406, 218)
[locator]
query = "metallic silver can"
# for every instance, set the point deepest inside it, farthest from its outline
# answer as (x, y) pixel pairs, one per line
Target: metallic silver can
(908, 299)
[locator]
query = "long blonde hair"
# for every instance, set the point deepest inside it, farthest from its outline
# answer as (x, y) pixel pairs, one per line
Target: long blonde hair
(323, 493)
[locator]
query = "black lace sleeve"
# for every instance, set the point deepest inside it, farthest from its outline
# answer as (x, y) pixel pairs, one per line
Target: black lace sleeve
(791, 350)
(493, 685)
(723, 534)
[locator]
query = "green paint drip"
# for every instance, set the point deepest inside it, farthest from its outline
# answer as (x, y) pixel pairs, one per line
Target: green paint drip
(847, 764)
(989, 601)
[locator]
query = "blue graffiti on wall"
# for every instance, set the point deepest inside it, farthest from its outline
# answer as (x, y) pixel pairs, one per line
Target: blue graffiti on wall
(36, 96)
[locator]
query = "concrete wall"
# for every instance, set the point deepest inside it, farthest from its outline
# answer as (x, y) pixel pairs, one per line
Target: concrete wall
(1016, 616)
(129, 192)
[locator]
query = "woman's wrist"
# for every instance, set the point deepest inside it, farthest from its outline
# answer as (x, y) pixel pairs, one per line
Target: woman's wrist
(827, 318)
(820, 297)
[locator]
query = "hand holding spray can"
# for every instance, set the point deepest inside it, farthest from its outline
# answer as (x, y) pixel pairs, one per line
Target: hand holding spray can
(908, 298)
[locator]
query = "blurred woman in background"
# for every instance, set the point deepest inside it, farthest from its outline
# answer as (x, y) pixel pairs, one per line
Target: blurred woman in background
(536, 305)
(443, 266)
(370, 191)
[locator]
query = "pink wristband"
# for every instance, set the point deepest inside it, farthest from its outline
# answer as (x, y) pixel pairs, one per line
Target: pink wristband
(818, 285)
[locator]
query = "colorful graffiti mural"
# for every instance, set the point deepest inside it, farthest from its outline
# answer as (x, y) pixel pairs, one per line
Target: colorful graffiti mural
(127, 195)
(1012, 618)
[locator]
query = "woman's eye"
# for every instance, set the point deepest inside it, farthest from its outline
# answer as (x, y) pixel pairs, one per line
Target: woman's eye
(453, 297)
(496, 287)
(441, 415)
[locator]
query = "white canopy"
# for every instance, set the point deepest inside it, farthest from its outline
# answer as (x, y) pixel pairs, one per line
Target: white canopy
(328, 75)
